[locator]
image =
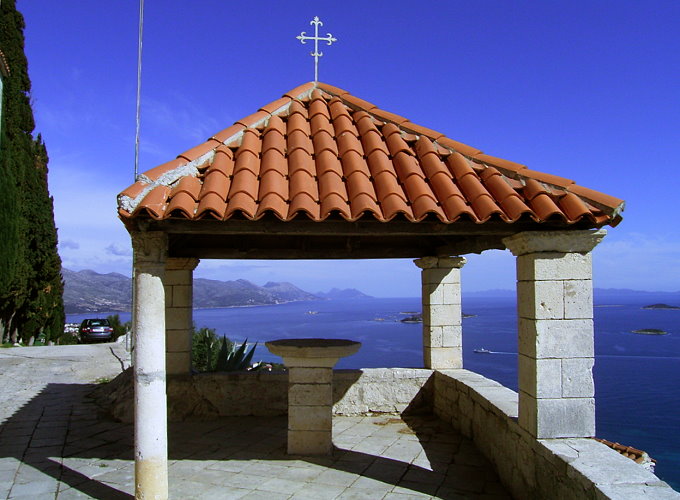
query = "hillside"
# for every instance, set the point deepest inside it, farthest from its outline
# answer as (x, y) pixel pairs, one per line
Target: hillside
(88, 291)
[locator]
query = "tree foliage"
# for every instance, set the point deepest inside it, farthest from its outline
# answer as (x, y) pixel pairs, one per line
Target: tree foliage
(119, 328)
(31, 286)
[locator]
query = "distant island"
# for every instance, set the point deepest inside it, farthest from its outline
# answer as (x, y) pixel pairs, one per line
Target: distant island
(650, 331)
(418, 318)
(347, 293)
(87, 291)
(660, 306)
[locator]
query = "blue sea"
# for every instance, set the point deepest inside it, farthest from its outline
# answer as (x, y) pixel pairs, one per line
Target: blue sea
(637, 377)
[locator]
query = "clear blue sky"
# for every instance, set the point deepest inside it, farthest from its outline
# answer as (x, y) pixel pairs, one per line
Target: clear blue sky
(582, 89)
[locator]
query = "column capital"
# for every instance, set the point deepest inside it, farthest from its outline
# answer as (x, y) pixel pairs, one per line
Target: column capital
(553, 241)
(149, 247)
(440, 262)
(181, 264)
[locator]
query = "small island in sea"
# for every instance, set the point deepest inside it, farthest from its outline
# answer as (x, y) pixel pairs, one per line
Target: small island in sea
(418, 317)
(650, 331)
(660, 306)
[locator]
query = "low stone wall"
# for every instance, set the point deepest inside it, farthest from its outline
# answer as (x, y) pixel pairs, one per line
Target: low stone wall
(568, 468)
(381, 390)
(210, 395)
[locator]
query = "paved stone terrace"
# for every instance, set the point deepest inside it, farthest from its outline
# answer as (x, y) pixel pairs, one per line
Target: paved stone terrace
(52, 445)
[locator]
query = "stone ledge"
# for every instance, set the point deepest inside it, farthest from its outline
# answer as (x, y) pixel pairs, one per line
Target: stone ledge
(573, 468)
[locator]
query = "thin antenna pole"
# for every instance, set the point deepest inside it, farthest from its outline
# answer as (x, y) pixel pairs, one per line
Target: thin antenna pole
(130, 341)
(139, 84)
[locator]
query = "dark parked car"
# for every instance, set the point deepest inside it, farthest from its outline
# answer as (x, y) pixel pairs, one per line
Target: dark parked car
(95, 330)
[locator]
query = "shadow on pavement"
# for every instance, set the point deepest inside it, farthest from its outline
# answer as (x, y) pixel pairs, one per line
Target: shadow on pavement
(61, 434)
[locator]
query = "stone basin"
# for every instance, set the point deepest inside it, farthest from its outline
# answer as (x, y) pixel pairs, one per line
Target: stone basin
(313, 349)
(310, 393)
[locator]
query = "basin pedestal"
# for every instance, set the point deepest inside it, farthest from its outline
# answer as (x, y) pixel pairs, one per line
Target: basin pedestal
(310, 390)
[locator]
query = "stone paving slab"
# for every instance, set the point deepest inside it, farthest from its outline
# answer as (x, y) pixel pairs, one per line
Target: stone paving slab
(53, 444)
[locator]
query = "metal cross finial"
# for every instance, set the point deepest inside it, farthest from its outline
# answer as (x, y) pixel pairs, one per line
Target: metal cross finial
(316, 54)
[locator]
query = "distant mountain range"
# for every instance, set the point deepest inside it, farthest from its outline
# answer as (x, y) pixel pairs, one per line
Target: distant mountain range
(601, 296)
(347, 293)
(88, 291)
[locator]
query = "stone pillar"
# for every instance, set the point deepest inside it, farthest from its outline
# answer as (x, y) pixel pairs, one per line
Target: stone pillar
(178, 314)
(556, 336)
(310, 390)
(151, 436)
(442, 312)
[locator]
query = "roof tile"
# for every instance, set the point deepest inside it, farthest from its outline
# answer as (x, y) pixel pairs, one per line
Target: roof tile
(432, 134)
(215, 182)
(364, 203)
(485, 207)
(189, 185)
(333, 90)
(499, 162)
(333, 202)
(514, 207)
(158, 171)
(596, 196)
(358, 184)
(547, 178)
(275, 105)
(211, 205)
(324, 141)
(357, 103)
(386, 115)
(544, 207)
(243, 202)
(393, 205)
(251, 120)
(319, 151)
(459, 146)
(272, 202)
(154, 202)
(303, 202)
(222, 162)
(227, 132)
(299, 90)
(133, 190)
(183, 203)
(198, 151)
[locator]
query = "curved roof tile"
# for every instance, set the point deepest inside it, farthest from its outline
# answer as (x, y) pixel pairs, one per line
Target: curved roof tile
(319, 150)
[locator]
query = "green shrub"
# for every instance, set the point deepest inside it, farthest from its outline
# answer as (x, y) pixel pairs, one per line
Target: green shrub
(204, 349)
(119, 329)
(209, 353)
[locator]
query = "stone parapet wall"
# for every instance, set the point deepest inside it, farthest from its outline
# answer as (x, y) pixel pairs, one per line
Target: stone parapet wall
(568, 468)
(380, 390)
(210, 395)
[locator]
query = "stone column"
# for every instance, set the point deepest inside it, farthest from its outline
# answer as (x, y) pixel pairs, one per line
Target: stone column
(310, 390)
(178, 314)
(151, 436)
(442, 312)
(556, 336)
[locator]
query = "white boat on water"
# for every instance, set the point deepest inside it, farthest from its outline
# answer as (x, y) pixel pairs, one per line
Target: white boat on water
(482, 351)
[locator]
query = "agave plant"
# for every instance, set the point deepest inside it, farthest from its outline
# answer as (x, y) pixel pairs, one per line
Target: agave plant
(232, 357)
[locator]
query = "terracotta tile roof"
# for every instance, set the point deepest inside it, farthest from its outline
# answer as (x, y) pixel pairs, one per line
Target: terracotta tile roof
(638, 456)
(319, 151)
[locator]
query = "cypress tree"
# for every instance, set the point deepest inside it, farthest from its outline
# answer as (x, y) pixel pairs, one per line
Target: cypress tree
(30, 268)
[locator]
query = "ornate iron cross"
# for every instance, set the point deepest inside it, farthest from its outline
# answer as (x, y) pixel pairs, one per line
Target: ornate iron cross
(316, 54)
